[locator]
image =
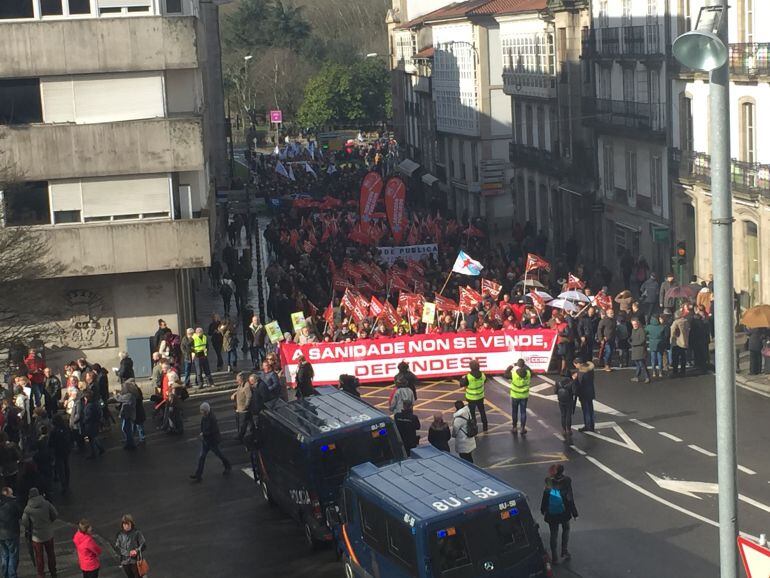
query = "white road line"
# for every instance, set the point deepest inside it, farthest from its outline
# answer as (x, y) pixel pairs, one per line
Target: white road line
(531, 413)
(746, 470)
(547, 379)
(627, 442)
(641, 423)
(578, 450)
(249, 472)
(702, 451)
(540, 387)
(670, 436)
(542, 423)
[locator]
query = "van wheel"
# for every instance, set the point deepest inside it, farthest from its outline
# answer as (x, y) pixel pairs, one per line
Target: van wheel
(349, 572)
(266, 493)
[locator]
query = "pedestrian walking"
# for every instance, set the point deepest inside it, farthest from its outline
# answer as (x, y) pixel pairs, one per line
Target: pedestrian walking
(256, 340)
(127, 415)
(126, 367)
(406, 378)
(61, 445)
(565, 394)
(37, 520)
(140, 416)
(200, 357)
(210, 439)
(585, 392)
(130, 545)
(464, 430)
(439, 434)
(229, 345)
(474, 383)
(649, 297)
(226, 291)
(401, 392)
(558, 508)
(638, 342)
(408, 424)
(605, 331)
(680, 340)
(656, 334)
(186, 349)
(87, 549)
(10, 514)
(587, 328)
(216, 339)
(520, 378)
(92, 419)
(622, 335)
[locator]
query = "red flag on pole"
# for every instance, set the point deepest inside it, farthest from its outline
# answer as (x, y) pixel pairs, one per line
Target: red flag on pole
(603, 300)
(371, 187)
(490, 288)
(535, 262)
(574, 283)
(446, 304)
(469, 298)
(375, 307)
(395, 197)
(537, 301)
(391, 314)
(329, 314)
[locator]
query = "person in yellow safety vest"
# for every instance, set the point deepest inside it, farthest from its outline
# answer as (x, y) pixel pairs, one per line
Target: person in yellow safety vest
(520, 378)
(200, 349)
(473, 383)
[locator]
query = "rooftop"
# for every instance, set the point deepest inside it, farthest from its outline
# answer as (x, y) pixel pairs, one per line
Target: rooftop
(476, 8)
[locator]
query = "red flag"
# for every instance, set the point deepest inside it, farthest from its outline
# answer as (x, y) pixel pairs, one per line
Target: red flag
(371, 187)
(391, 314)
(414, 237)
(329, 314)
(469, 298)
(490, 288)
(397, 282)
(537, 301)
(377, 277)
(417, 267)
(535, 262)
(446, 304)
(574, 283)
(375, 307)
(395, 196)
(339, 283)
(603, 300)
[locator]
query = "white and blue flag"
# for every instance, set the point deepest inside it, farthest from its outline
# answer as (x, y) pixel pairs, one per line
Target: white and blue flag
(466, 266)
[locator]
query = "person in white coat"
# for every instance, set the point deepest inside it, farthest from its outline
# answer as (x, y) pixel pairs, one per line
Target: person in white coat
(464, 444)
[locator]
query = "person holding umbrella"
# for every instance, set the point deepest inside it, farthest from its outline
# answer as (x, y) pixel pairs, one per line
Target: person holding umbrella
(757, 321)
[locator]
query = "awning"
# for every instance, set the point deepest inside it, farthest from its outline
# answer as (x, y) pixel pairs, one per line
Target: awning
(429, 179)
(407, 167)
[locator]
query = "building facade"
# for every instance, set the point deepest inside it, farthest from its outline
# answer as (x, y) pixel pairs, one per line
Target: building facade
(749, 61)
(628, 49)
(111, 114)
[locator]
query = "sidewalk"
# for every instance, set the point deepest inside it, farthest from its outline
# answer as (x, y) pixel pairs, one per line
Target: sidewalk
(66, 557)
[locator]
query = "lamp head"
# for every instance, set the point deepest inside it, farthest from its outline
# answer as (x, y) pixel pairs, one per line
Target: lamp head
(701, 48)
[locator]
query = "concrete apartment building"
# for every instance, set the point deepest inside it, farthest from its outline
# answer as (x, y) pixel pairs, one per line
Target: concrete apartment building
(111, 113)
(629, 50)
(749, 60)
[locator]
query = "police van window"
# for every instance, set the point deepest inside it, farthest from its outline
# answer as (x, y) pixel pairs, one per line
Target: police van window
(511, 534)
(450, 550)
(401, 542)
(282, 446)
(372, 525)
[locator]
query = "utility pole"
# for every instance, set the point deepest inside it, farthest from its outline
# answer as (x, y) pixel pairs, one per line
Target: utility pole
(705, 48)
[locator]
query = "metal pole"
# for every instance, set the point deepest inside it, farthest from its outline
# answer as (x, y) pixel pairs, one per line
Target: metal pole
(724, 325)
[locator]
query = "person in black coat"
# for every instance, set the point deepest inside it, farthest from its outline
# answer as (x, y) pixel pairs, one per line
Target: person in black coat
(61, 446)
(586, 330)
(558, 508)
(349, 384)
(583, 375)
(406, 376)
(439, 433)
(754, 344)
(408, 424)
(126, 368)
(210, 439)
(304, 378)
(92, 419)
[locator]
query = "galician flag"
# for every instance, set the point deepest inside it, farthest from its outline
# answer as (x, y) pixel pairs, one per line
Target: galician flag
(466, 266)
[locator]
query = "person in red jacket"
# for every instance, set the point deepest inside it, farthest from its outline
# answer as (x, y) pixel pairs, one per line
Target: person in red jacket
(35, 366)
(88, 550)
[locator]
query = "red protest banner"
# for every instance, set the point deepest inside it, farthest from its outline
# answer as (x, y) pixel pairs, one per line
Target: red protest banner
(428, 356)
(371, 187)
(395, 196)
(490, 288)
(446, 304)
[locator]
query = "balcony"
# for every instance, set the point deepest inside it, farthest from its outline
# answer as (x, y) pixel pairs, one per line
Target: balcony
(61, 151)
(90, 45)
(621, 114)
(626, 42)
(111, 248)
(750, 179)
(534, 158)
(530, 84)
(750, 60)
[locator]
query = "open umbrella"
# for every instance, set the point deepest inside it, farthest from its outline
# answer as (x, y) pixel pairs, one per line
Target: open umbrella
(681, 292)
(575, 296)
(757, 317)
(531, 283)
(542, 294)
(567, 306)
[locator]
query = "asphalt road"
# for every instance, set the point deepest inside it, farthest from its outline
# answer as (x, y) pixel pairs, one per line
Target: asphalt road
(628, 526)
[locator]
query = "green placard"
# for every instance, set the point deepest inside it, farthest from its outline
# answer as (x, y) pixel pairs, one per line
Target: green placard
(298, 320)
(274, 332)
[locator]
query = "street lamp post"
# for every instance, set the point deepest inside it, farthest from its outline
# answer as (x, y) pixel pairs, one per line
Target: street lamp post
(705, 48)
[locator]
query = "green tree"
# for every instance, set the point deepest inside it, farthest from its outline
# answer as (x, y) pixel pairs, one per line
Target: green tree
(265, 23)
(371, 80)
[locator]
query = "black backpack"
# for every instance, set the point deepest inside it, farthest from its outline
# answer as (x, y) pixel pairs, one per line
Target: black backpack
(471, 427)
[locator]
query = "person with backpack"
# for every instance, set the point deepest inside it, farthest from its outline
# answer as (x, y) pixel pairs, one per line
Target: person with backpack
(408, 424)
(558, 508)
(520, 382)
(474, 384)
(565, 394)
(464, 430)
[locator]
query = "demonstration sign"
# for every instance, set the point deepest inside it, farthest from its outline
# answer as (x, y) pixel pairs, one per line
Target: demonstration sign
(428, 356)
(408, 253)
(274, 332)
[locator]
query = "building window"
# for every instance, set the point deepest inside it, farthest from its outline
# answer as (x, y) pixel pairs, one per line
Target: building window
(656, 181)
(16, 9)
(652, 7)
(752, 261)
(20, 101)
(627, 12)
(64, 7)
(629, 86)
(529, 125)
(541, 127)
(517, 121)
(748, 134)
(746, 20)
(604, 17)
(475, 162)
(631, 177)
(173, 6)
(609, 170)
(685, 122)
(26, 204)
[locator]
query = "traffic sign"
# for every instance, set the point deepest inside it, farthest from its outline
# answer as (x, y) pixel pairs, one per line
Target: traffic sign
(756, 559)
(276, 116)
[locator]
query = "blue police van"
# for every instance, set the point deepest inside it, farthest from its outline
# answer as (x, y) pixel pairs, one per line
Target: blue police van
(308, 446)
(435, 516)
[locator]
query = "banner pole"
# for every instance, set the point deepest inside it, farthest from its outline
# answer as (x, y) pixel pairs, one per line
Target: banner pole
(445, 283)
